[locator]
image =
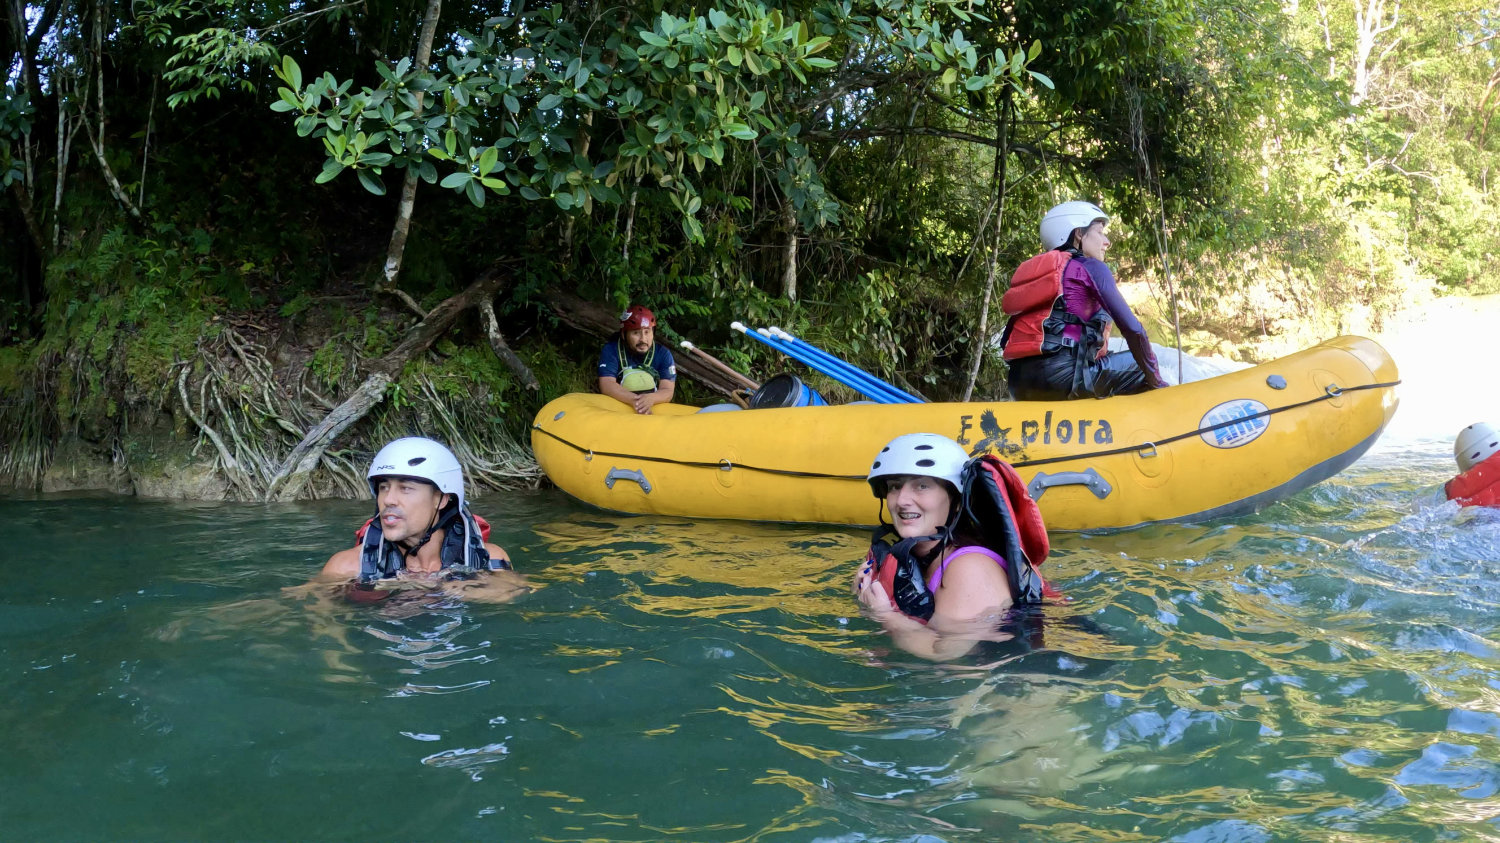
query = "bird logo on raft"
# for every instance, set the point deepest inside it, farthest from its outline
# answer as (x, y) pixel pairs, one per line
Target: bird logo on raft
(1013, 441)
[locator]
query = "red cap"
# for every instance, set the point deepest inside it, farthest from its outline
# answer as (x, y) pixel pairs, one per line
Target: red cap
(637, 317)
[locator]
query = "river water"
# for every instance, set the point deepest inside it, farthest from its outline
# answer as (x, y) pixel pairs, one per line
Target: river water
(1324, 670)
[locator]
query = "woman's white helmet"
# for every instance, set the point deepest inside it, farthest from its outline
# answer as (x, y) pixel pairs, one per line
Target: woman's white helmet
(424, 459)
(1058, 224)
(1475, 444)
(921, 455)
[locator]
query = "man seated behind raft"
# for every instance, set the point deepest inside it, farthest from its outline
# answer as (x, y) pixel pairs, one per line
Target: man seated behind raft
(422, 529)
(635, 370)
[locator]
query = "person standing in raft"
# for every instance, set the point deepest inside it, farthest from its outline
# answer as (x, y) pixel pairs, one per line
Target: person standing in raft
(1060, 305)
(633, 368)
(422, 529)
(967, 543)
(1477, 450)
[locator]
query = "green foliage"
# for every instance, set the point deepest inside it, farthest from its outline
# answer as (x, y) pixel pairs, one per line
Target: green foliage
(522, 105)
(16, 112)
(16, 363)
(124, 309)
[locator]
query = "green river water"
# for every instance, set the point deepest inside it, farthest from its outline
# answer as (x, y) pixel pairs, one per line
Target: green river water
(1325, 670)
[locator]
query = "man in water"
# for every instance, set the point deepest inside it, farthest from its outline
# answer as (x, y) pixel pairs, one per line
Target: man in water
(1477, 450)
(635, 370)
(423, 529)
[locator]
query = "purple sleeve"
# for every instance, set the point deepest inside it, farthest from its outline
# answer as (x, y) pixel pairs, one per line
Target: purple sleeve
(1130, 327)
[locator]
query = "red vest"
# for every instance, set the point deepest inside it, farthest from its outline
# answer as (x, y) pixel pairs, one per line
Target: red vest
(1479, 486)
(1034, 291)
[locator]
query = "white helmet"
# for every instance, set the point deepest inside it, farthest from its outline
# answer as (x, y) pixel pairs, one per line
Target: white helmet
(1058, 224)
(1475, 444)
(421, 458)
(922, 455)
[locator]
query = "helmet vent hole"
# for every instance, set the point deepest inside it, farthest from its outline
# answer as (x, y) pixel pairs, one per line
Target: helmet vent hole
(926, 463)
(416, 461)
(923, 448)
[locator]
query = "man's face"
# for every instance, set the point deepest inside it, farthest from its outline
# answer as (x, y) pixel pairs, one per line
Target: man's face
(407, 506)
(639, 339)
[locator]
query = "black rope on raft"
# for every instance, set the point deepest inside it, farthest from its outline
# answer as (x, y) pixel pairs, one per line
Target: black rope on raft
(1333, 391)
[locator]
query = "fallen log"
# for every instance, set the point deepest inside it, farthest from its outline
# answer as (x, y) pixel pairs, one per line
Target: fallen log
(292, 475)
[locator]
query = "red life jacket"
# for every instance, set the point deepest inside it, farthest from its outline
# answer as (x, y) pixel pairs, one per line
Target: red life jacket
(1035, 290)
(1038, 314)
(994, 510)
(1479, 486)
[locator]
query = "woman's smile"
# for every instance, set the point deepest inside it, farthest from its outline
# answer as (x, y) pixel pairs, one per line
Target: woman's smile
(918, 505)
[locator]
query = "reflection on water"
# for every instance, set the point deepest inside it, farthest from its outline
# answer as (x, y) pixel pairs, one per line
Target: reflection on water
(1326, 670)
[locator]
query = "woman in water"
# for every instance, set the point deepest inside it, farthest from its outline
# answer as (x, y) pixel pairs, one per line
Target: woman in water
(968, 539)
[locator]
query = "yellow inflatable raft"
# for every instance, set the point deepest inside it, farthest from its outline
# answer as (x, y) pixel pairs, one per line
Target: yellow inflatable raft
(1219, 447)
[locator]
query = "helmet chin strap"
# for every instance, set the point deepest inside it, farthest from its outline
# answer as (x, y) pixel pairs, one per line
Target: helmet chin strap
(433, 526)
(940, 535)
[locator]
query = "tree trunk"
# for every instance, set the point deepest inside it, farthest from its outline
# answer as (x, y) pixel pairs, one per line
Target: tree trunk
(28, 213)
(981, 333)
(396, 250)
(502, 348)
(65, 131)
(1369, 24)
(292, 476)
(97, 140)
(789, 262)
(146, 143)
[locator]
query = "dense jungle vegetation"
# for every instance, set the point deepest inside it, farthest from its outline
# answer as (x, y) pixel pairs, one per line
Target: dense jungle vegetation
(244, 240)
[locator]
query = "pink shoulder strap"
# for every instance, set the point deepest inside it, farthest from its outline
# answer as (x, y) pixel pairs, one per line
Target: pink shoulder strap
(937, 576)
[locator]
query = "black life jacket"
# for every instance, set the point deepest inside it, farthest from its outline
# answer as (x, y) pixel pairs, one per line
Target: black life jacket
(994, 510)
(462, 550)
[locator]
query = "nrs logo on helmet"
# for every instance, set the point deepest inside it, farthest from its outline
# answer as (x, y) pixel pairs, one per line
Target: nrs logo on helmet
(420, 458)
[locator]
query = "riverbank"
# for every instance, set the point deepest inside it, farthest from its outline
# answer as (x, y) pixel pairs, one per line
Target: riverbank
(188, 440)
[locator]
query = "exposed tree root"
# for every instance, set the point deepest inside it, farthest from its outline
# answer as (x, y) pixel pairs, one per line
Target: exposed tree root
(30, 430)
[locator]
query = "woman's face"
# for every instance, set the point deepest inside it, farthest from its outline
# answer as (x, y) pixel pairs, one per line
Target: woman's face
(1094, 241)
(919, 505)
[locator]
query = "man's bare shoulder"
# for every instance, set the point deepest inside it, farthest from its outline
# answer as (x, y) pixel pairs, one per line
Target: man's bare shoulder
(343, 565)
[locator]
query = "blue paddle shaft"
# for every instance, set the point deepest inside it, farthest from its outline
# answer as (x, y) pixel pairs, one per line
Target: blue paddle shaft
(829, 365)
(845, 378)
(895, 392)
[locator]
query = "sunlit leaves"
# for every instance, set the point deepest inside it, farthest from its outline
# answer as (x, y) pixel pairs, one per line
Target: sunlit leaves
(508, 110)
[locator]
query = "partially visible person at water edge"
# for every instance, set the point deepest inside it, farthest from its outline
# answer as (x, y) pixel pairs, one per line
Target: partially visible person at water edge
(1061, 304)
(1477, 450)
(422, 529)
(967, 543)
(632, 368)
